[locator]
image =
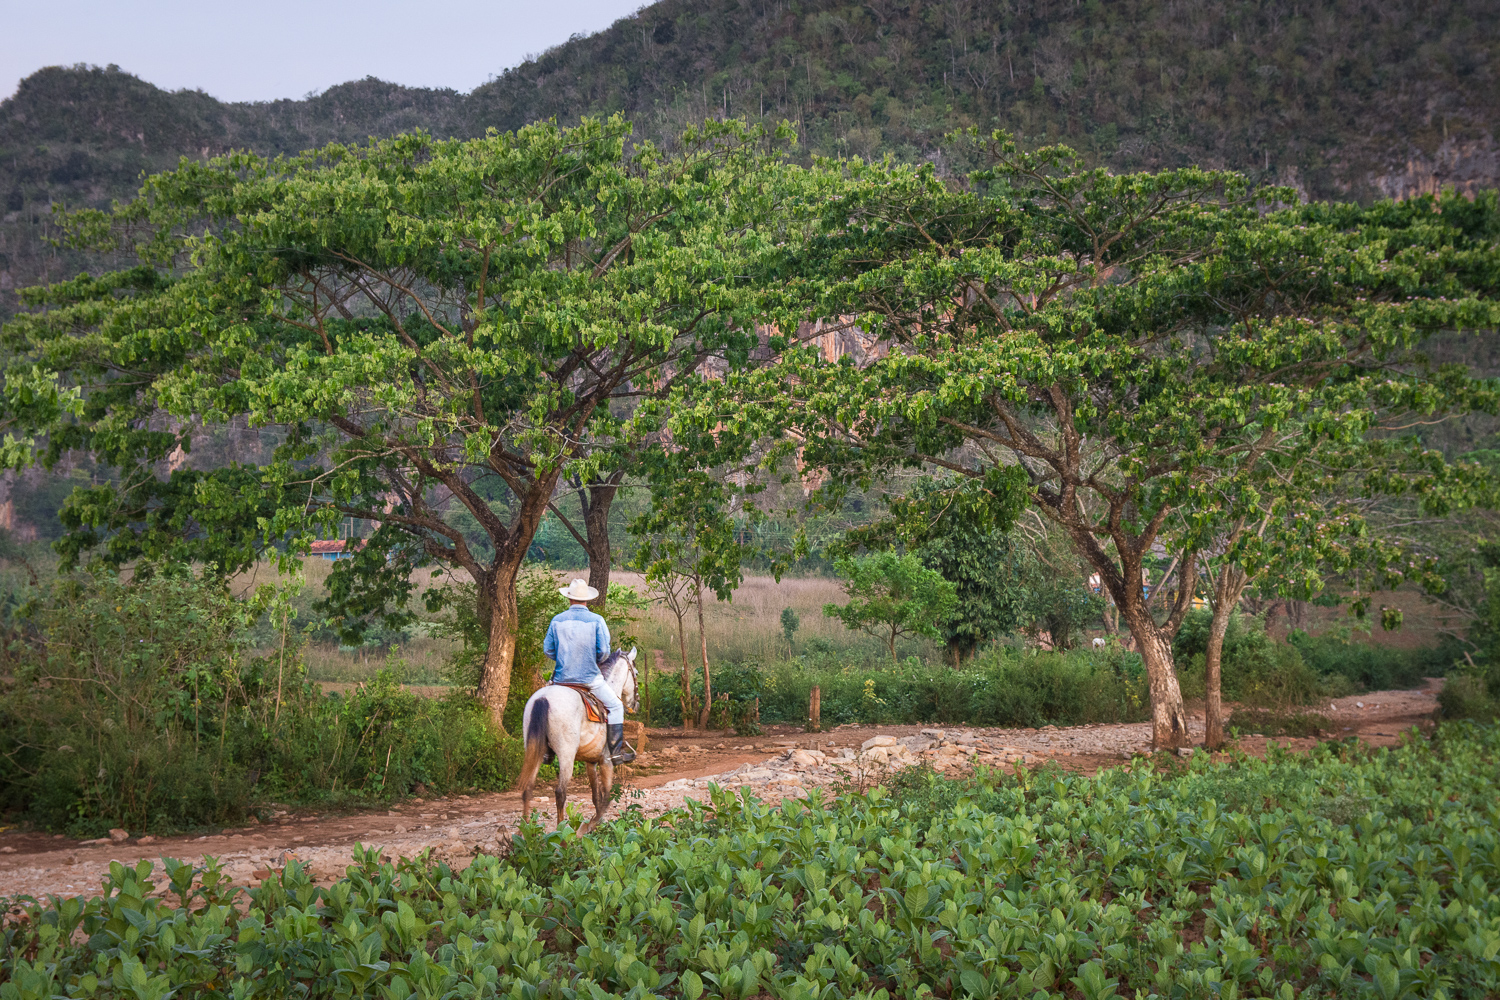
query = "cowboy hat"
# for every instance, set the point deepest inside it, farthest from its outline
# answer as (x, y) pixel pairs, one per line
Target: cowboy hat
(578, 590)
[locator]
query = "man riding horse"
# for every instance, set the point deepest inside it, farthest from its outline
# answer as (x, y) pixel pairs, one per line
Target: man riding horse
(578, 640)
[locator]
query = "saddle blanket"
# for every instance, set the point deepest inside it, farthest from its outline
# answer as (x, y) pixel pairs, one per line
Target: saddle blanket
(591, 705)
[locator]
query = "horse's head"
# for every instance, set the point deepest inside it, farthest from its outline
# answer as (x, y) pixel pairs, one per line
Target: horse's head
(619, 671)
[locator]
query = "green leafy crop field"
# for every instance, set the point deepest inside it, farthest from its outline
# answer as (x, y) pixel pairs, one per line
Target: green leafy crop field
(1346, 873)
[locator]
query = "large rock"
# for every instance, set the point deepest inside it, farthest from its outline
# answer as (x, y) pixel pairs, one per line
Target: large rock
(878, 741)
(806, 758)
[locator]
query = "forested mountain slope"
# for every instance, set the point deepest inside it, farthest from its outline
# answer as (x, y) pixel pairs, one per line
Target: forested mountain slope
(1341, 97)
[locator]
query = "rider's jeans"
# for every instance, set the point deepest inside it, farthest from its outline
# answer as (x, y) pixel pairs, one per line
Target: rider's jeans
(606, 694)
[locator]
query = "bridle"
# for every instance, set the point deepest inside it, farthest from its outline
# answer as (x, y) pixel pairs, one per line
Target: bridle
(635, 679)
(635, 676)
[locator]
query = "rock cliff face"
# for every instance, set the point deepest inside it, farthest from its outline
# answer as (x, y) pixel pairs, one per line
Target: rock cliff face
(1467, 167)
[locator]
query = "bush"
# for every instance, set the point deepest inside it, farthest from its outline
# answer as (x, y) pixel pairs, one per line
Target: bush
(1255, 669)
(138, 705)
(1468, 696)
(1000, 687)
(378, 741)
(1370, 668)
(1277, 723)
(1258, 670)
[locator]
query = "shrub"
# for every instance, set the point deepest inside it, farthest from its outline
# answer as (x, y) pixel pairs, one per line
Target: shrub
(1273, 723)
(1371, 668)
(1001, 686)
(1256, 669)
(1468, 696)
(138, 705)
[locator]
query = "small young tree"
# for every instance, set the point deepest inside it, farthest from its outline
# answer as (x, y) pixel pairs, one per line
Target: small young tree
(1295, 513)
(673, 580)
(789, 625)
(893, 596)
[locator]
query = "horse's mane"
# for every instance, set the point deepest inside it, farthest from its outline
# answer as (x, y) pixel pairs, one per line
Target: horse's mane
(607, 666)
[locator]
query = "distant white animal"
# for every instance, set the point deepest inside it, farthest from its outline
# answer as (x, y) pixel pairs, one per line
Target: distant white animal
(1100, 642)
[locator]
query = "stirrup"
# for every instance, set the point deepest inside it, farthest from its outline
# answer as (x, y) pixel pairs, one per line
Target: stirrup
(621, 753)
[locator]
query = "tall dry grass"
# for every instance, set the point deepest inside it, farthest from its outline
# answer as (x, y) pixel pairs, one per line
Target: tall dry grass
(745, 628)
(748, 627)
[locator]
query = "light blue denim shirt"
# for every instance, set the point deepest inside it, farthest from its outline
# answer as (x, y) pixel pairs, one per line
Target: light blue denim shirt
(577, 639)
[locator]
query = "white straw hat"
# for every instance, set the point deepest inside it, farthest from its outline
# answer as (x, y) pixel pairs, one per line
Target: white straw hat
(578, 590)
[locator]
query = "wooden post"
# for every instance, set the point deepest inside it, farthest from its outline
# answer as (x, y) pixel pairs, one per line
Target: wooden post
(815, 710)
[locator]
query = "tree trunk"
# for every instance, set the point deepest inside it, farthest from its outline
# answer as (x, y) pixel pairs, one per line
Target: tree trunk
(708, 700)
(892, 647)
(687, 677)
(1231, 584)
(499, 659)
(1169, 725)
(596, 503)
(497, 593)
(1213, 707)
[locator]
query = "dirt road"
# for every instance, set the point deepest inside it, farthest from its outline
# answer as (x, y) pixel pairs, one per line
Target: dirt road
(676, 766)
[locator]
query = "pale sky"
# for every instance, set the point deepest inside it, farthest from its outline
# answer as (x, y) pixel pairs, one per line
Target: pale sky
(255, 51)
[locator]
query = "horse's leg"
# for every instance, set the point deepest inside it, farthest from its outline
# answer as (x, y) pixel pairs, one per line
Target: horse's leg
(595, 778)
(564, 773)
(605, 787)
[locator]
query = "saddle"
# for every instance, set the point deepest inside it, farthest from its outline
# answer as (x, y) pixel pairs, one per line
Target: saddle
(591, 705)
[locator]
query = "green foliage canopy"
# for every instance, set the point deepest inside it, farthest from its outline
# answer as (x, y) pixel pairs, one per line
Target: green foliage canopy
(1112, 346)
(439, 331)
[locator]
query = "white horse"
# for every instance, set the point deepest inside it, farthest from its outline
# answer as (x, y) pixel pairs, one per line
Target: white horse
(555, 717)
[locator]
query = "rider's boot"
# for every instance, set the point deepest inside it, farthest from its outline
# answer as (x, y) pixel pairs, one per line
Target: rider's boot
(619, 753)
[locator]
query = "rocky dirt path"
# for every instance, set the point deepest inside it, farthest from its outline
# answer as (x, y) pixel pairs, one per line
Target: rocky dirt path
(782, 763)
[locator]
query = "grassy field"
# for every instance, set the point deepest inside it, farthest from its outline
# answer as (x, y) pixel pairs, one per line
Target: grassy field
(749, 626)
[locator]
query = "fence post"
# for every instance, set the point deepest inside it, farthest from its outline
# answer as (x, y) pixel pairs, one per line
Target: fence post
(815, 710)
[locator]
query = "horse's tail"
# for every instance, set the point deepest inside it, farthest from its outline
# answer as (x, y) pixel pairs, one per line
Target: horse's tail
(536, 736)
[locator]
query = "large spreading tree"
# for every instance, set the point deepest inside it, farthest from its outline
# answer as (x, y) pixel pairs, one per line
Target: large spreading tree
(440, 334)
(1114, 347)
